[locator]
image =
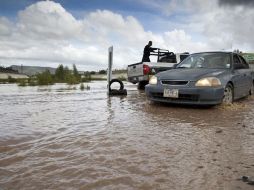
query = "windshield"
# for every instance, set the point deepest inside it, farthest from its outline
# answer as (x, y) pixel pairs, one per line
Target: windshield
(207, 60)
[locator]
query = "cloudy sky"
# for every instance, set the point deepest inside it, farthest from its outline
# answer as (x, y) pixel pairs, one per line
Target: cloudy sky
(47, 33)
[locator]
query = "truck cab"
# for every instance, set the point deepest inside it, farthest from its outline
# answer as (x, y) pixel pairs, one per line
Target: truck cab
(140, 72)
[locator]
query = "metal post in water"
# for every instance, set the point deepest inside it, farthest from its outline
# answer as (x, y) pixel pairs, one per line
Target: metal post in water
(113, 92)
(110, 63)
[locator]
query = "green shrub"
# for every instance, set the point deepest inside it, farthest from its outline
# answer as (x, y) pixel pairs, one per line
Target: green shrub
(71, 79)
(76, 73)
(60, 73)
(87, 77)
(32, 83)
(45, 78)
(22, 82)
(103, 72)
(3, 81)
(82, 87)
(11, 80)
(122, 78)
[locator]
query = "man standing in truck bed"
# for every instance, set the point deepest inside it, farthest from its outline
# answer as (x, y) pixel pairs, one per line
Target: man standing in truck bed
(147, 51)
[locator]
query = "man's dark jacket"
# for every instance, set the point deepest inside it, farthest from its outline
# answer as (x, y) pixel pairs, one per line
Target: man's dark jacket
(146, 54)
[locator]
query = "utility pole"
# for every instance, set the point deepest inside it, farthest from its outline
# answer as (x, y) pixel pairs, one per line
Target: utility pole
(110, 63)
(21, 69)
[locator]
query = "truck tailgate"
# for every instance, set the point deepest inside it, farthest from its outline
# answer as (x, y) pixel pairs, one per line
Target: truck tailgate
(135, 70)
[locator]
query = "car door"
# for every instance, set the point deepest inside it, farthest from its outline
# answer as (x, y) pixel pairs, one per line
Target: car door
(247, 74)
(238, 77)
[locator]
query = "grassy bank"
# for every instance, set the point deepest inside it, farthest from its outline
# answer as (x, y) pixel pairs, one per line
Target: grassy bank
(10, 80)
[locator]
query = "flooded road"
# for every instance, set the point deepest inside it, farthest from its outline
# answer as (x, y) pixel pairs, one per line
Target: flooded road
(60, 138)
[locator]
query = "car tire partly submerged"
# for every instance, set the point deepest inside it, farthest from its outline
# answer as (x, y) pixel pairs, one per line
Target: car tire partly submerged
(228, 97)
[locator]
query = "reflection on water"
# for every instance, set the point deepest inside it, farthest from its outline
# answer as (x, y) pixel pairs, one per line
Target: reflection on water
(52, 138)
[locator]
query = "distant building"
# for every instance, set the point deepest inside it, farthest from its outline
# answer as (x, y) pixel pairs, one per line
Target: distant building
(13, 75)
(6, 72)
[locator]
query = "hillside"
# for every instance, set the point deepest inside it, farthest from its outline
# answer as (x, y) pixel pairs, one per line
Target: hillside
(31, 70)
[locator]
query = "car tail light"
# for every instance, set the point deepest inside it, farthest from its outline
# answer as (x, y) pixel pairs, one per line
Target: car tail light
(146, 69)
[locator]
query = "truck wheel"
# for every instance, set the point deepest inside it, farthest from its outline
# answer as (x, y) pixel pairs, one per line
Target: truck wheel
(142, 84)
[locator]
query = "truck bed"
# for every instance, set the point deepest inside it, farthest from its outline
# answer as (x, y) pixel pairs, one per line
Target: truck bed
(135, 72)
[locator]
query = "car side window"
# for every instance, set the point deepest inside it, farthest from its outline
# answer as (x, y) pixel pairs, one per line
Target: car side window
(246, 65)
(237, 62)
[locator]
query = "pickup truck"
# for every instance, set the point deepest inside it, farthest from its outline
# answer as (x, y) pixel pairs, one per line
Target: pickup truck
(141, 71)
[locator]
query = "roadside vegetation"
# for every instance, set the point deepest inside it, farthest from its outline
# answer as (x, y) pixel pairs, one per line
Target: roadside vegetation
(65, 75)
(62, 75)
(122, 78)
(9, 80)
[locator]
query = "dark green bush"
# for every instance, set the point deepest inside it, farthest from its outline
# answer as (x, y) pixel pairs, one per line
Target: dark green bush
(45, 78)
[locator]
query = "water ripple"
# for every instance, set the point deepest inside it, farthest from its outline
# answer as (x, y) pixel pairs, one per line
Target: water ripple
(52, 138)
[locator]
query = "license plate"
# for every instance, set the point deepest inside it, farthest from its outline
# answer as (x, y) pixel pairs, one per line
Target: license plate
(170, 93)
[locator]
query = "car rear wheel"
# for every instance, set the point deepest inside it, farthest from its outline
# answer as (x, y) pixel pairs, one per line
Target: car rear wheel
(228, 94)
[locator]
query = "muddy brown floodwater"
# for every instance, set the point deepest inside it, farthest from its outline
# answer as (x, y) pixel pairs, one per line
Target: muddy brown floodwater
(60, 138)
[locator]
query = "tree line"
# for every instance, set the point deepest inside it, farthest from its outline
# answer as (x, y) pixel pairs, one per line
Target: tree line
(62, 75)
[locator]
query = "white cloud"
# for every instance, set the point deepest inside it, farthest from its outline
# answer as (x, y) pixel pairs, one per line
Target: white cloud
(222, 24)
(5, 26)
(46, 34)
(231, 26)
(179, 41)
(48, 20)
(222, 27)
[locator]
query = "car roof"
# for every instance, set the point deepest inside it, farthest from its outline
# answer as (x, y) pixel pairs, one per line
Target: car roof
(226, 52)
